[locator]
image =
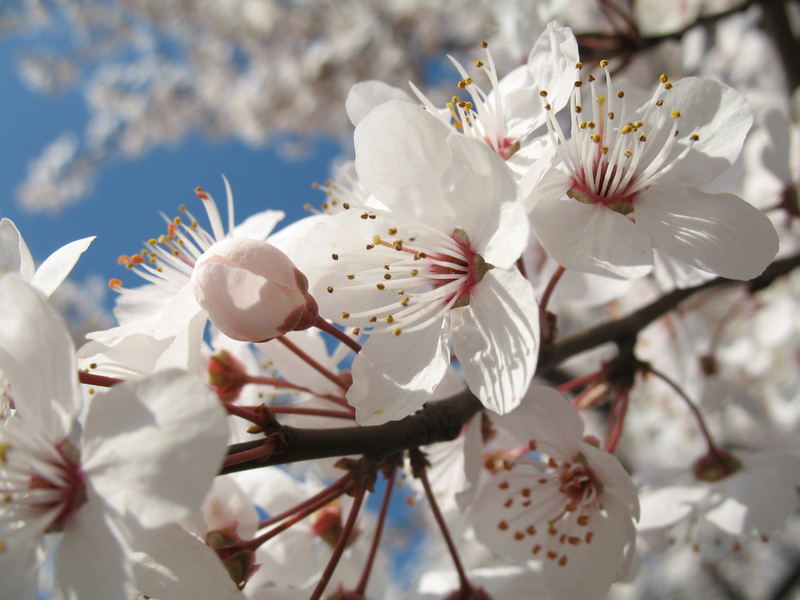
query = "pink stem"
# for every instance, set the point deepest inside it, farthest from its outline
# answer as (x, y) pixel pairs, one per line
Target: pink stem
(313, 363)
(265, 450)
(282, 383)
(437, 514)
(316, 412)
(340, 335)
(341, 544)
(387, 496)
(619, 408)
(579, 381)
(313, 501)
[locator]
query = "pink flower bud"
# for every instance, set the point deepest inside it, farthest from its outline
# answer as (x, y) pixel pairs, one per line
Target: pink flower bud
(252, 291)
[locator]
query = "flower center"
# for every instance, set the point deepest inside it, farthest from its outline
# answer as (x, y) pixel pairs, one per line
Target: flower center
(552, 512)
(40, 487)
(423, 273)
(614, 153)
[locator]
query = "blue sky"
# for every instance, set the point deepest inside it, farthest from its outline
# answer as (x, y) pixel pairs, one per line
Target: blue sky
(122, 211)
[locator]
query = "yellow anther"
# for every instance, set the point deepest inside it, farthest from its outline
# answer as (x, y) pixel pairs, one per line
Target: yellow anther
(596, 138)
(659, 102)
(4, 448)
(346, 205)
(389, 319)
(591, 124)
(604, 63)
(620, 94)
(351, 276)
(582, 124)
(176, 220)
(380, 286)
(414, 272)
(392, 230)
(694, 137)
(356, 331)
(396, 331)
(405, 300)
(668, 85)
(628, 153)
(578, 65)
(578, 108)
(627, 129)
(182, 207)
(345, 315)
(484, 44)
(663, 78)
(611, 115)
(478, 63)
(604, 150)
(675, 114)
(543, 93)
(387, 276)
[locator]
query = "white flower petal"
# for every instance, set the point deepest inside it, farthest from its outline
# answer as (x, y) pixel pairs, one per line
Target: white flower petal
(259, 225)
(14, 254)
(720, 233)
(58, 265)
(591, 238)
(366, 95)
(547, 416)
(170, 564)
(152, 446)
(551, 64)
(666, 506)
(401, 154)
(483, 195)
(393, 376)
(92, 561)
(19, 571)
(498, 340)
(37, 357)
(720, 116)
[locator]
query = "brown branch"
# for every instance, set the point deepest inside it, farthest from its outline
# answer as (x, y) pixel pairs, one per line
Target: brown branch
(443, 420)
(608, 45)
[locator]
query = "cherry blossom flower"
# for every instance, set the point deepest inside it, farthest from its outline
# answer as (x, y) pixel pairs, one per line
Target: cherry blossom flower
(15, 257)
(754, 499)
(137, 462)
(568, 505)
(434, 262)
(166, 305)
(626, 183)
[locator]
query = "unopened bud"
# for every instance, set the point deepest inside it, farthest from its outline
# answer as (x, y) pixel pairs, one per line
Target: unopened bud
(327, 524)
(226, 375)
(252, 291)
(237, 558)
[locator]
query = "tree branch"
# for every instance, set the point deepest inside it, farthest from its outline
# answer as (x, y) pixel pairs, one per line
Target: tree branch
(443, 420)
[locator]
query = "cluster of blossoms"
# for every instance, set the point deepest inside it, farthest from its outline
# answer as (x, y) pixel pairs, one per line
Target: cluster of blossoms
(421, 314)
